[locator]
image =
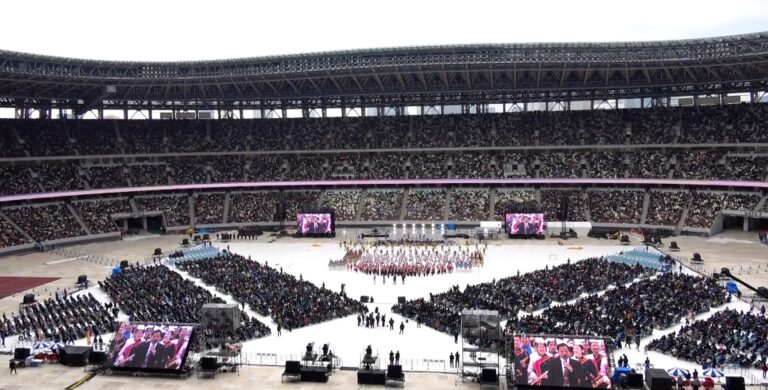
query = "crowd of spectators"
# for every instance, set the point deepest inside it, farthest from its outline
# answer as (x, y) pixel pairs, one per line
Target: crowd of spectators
(700, 165)
(607, 165)
(46, 138)
(552, 200)
(381, 205)
(189, 170)
(615, 206)
(140, 137)
(343, 202)
(527, 292)
(425, 205)
(149, 175)
(227, 169)
(106, 176)
(692, 125)
(304, 167)
(343, 166)
(174, 208)
(746, 168)
(649, 164)
(61, 318)
(9, 236)
(432, 131)
(385, 166)
(427, 166)
(473, 166)
(266, 168)
(9, 144)
(347, 133)
(666, 208)
(299, 201)
(59, 176)
(209, 208)
(46, 222)
(96, 213)
(706, 205)
(390, 132)
(251, 206)
(727, 337)
(157, 294)
(71, 175)
(17, 179)
(292, 303)
(469, 205)
(628, 311)
(560, 165)
(513, 200)
(94, 138)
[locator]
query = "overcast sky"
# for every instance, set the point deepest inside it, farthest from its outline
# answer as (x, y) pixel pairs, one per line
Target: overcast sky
(193, 30)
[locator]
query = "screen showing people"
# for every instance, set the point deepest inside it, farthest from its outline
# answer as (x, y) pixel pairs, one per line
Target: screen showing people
(525, 224)
(319, 223)
(561, 362)
(151, 346)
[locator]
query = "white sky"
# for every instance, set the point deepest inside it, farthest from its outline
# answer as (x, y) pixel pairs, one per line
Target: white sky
(193, 30)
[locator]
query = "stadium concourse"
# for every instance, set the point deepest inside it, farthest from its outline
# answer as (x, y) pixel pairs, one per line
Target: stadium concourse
(308, 259)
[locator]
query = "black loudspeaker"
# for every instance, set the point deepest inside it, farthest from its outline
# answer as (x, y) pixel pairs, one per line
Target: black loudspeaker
(563, 214)
(21, 353)
(734, 382)
(158, 252)
(635, 380)
(97, 357)
(185, 241)
(697, 257)
(371, 377)
(82, 279)
(401, 300)
(280, 214)
(208, 363)
(292, 366)
(395, 370)
(657, 379)
(29, 299)
(763, 292)
(74, 356)
(124, 264)
(661, 384)
(488, 375)
(364, 298)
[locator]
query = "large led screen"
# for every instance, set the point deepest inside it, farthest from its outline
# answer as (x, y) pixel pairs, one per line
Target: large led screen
(561, 361)
(314, 224)
(151, 346)
(524, 224)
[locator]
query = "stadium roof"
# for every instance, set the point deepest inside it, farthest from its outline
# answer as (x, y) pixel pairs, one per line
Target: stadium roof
(482, 73)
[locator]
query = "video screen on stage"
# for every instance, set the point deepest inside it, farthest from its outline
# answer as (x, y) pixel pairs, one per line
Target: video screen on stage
(524, 224)
(150, 346)
(314, 223)
(561, 361)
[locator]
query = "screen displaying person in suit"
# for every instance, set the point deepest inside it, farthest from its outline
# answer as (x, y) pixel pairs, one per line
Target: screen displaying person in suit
(314, 223)
(526, 226)
(563, 370)
(150, 354)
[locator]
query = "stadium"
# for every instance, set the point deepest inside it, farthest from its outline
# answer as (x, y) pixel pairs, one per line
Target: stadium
(514, 215)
